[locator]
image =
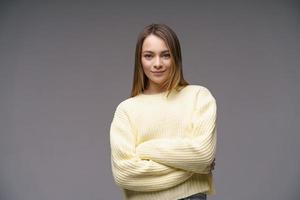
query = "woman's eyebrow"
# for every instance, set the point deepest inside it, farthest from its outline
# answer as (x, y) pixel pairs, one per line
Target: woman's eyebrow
(148, 51)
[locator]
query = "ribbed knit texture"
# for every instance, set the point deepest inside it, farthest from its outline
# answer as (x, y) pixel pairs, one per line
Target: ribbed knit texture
(162, 147)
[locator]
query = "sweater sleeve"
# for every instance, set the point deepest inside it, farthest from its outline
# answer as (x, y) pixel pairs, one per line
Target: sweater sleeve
(195, 153)
(129, 170)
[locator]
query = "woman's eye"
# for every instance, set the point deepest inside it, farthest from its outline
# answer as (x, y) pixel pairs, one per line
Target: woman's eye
(167, 55)
(147, 56)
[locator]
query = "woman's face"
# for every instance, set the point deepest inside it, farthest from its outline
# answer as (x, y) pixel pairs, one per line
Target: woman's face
(156, 60)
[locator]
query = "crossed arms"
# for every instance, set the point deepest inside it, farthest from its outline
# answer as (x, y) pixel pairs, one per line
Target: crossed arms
(162, 163)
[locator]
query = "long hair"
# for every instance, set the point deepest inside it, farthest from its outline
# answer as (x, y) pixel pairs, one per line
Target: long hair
(175, 78)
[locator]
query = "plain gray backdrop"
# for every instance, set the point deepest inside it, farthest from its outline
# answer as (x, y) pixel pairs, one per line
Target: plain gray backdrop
(66, 65)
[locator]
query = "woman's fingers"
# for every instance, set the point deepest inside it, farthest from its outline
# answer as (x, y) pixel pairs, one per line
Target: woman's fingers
(213, 165)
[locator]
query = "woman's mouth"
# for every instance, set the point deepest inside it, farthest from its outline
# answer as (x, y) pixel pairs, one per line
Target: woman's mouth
(158, 73)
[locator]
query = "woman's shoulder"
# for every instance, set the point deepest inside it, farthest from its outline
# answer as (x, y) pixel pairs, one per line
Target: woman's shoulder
(196, 88)
(125, 104)
(200, 91)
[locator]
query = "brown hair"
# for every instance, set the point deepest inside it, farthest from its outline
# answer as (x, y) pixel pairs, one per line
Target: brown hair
(175, 78)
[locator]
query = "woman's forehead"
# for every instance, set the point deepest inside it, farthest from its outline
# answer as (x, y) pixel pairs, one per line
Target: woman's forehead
(153, 43)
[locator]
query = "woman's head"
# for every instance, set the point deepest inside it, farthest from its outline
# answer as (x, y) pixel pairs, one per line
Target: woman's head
(157, 49)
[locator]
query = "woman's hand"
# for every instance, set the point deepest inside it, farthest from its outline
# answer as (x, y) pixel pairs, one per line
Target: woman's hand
(209, 168)
(212, 166)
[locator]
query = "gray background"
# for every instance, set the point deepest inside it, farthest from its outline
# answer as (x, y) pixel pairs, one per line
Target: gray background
(65, 66)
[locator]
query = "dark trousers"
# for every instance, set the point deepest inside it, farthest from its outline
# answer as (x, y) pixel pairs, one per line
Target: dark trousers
(198, 196)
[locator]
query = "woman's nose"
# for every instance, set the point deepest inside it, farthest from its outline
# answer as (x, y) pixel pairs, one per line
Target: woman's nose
(157, 62)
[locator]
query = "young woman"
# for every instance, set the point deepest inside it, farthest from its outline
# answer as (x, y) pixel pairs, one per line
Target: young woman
(163, 137)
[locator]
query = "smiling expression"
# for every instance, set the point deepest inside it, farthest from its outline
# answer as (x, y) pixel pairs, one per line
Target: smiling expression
(156, 60)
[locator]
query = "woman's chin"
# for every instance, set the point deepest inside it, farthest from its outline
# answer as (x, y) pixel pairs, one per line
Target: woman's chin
(158, 82)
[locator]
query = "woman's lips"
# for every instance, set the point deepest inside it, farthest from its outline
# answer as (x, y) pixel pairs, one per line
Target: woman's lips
(158, 72)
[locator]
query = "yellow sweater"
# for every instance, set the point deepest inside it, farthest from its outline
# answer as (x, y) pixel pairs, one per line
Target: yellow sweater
(162, 147)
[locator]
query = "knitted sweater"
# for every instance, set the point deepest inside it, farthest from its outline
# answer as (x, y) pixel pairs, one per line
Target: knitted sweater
(162, 147)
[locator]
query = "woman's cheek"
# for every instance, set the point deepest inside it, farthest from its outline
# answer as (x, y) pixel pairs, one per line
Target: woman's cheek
(147, 64)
